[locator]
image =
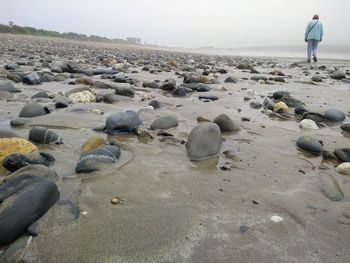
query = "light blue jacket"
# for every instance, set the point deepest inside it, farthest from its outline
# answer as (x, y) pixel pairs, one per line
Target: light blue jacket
(316, 32)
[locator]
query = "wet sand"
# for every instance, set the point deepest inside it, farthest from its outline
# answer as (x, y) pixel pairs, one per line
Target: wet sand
(177, 210)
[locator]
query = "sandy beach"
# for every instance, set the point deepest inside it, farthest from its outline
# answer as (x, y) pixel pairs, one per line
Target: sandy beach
(260, 199)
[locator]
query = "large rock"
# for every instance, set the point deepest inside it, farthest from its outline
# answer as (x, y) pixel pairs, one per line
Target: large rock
(23, 200)
(15, 161)
(231, 79)
(122, 122)
(164, 123)
(338, 75)
(125, 90)
(310, 144)
(7, 86)
(37, 169)
(33, 110)
(334, 115)
(32, 79)
(226, 124)
(70, 67)
(93, 160)
(204, 141)
(168, 84)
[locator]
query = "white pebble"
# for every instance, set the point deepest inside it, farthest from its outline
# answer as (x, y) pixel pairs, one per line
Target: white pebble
(344, 168)
(276, 219)
(308, 124)
(84, 213)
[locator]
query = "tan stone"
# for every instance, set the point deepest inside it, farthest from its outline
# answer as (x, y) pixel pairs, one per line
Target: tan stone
(93, 142)
(280, 106)
(202, 119)
(14, 145)
(84, 81)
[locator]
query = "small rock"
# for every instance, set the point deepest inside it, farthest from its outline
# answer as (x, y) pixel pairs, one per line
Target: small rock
(226, 124)
(308, 124)
(344, 168)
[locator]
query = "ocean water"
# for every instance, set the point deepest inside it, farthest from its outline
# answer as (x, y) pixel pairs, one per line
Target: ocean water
(298, 52)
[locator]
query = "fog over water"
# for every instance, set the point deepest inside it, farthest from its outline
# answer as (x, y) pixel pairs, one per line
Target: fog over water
(183, 23)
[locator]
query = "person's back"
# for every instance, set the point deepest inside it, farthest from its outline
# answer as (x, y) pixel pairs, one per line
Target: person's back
(313, 35)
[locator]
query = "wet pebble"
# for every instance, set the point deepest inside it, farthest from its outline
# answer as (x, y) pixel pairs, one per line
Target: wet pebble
(310, 144)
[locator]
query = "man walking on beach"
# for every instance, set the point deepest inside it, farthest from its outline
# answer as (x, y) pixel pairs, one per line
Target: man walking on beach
(313, 35)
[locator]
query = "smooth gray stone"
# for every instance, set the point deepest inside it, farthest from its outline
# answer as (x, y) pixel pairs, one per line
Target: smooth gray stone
(204, 142)
(310, 144)
(7, 86)
(164, 123)
(330, 187)
(180, 92)
(8, 134)
(334, 115)
(343, 154)
(226, 124)
(33, 110)
(92, 160)
(316, 117)
(114, 98)
(122, 122)
(20, 122)
(23, 200)
(43, 135)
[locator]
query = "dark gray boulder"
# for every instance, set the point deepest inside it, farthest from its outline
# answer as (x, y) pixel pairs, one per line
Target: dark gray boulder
(125, 90)
(15, 161)
(93, 160)
(225, 123)
(204, 142)
(316, 117)
(168, 84)
(343, 154)
(155, 104)
(122, 122)
(164, 123)
(32, 79)
(231, 79)
(338, 75)
(334, 115)
(310, 145)
(23, 200)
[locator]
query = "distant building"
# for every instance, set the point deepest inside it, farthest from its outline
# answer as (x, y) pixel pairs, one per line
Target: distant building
(10, 24)
(134, 40)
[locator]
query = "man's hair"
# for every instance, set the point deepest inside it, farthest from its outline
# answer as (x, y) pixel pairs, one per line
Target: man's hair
(316, 17)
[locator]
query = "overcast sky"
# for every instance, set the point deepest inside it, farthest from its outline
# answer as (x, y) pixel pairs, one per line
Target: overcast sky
(186, 23)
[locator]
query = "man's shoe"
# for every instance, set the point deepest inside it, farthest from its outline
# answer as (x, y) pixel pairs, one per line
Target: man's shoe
(315, 59)
(308, 60)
